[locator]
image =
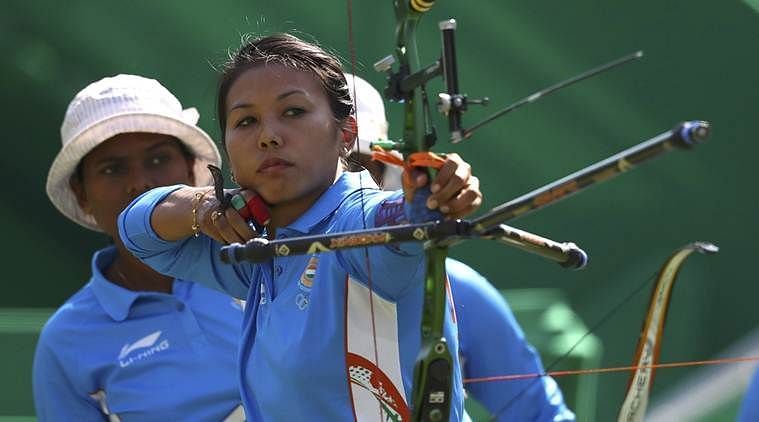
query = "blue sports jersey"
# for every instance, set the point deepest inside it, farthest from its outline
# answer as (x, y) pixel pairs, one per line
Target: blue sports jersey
(311, 348)
(140, 356)
(491, 343)
(750, 406)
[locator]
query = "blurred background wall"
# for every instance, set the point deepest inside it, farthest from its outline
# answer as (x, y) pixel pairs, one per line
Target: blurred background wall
(700, 63)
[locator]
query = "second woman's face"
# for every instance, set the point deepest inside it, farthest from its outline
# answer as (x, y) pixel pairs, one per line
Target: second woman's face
(123, 167)
(282, 139)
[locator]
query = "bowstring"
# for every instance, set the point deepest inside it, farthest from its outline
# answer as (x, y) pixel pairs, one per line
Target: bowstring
(590, 371)
(352, 55)
(547, 370)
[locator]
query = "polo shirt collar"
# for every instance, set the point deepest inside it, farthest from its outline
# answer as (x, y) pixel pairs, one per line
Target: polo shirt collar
(114, 299)
(347, 184)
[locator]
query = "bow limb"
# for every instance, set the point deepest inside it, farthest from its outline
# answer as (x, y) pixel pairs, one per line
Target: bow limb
(647, 355)
(649, 345)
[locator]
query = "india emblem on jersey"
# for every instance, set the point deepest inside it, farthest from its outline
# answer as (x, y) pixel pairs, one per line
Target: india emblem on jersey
(307, 278)
(373, 360)
(368, 376)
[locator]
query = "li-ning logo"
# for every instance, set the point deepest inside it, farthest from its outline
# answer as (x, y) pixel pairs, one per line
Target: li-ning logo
(148, 343)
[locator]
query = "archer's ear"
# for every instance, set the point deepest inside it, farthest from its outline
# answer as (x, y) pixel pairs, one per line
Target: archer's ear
(80, 194)
(349, 131)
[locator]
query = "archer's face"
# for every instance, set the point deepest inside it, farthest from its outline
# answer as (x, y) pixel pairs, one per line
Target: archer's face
(281, 136)
(121, 168)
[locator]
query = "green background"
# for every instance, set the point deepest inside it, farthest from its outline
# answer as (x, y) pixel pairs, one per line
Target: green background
(700, 63)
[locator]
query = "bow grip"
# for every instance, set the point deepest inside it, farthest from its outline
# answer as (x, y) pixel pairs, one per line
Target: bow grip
(417, 210)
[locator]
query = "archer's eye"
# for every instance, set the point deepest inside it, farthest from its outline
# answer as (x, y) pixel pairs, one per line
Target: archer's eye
(245, 121)
(111, 169)
(294, 112)
(158, 160)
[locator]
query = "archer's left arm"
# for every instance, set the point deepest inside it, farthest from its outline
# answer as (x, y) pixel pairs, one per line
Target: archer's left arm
(394, 268)
(491, 342)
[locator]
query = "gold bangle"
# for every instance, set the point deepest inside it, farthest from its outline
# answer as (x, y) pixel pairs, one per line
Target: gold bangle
(196, 203)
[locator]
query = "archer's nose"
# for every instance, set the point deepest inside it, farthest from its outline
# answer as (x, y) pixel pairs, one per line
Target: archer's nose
(139, 182)
(269, 139)
(270, 142)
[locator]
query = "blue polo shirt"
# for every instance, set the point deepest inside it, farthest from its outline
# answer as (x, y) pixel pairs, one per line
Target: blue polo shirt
(491, 343)
(311, 348)
(749, 410)
(139, 356)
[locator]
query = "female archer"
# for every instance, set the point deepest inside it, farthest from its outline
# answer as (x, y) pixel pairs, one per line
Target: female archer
(332, 336)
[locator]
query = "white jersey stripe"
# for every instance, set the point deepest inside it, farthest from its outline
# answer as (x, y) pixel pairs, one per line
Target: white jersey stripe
(377, 391)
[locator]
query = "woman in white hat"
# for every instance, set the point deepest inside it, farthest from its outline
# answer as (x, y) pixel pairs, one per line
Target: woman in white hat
(484, 317)
(133, 344)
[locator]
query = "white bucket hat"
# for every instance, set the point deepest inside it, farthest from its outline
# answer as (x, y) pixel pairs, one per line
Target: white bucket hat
(370, 113)
(372, 124)
(116, 105)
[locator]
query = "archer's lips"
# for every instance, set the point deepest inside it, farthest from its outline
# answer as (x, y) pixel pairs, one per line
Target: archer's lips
(273, 165)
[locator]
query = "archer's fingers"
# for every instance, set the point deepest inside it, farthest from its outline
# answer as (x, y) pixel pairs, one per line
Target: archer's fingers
(204, 212)
(239, 225)
(451, 179)
(467, 202)
(210, 231)
(221, 223)
(413, 180)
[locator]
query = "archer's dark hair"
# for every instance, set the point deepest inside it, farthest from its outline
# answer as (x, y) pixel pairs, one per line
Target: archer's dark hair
(289, 51)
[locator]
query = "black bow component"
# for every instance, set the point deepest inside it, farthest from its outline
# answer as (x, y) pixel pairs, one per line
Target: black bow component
(224, 198)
